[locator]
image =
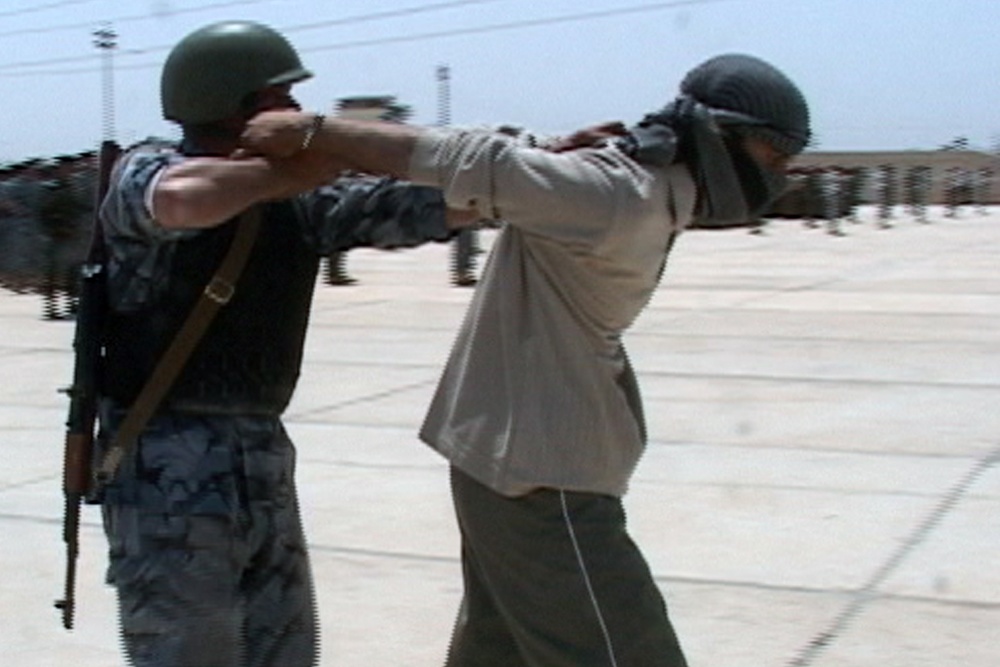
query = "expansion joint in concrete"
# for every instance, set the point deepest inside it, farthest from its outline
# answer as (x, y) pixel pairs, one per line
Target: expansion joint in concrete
(865, 595)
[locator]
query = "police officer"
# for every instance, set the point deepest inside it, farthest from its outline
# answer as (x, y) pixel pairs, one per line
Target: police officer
(206, 548)
(463, 256)
(812, 197)
(19, 237)
(918, 182)
(336, 270)
(850, 193)
(983, 187)
(887, 195)
(953, 191)
(61, 210)
(832, 184)
(538, 409)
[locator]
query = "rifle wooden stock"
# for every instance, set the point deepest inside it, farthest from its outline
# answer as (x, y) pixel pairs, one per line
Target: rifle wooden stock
(76, 463)
(88, 347)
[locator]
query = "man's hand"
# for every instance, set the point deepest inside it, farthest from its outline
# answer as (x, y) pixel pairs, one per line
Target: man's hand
(277, 134)
(589, 137)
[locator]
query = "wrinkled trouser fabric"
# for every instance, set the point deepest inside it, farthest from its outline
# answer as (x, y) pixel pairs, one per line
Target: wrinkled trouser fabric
(552, 579)
(206, 546)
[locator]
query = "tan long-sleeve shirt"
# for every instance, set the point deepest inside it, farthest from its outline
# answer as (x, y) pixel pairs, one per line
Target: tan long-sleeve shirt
(538, 391)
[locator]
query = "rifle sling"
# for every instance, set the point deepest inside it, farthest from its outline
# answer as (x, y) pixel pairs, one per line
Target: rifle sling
(216, 294)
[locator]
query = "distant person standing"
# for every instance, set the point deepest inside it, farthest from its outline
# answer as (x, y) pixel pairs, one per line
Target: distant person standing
(61, 208)
(886, 195)
(851, 193)
(463, 253)
(918, 191)
(984, 186)
(953, 191)
(336, 269)
(832, 181)
(22, 241)
(812, 197)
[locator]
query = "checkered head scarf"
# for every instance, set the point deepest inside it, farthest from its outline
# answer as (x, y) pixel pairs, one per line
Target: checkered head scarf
(753, 96)
(722, 102)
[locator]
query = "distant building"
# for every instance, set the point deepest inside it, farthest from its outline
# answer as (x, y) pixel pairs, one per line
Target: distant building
(373, 107)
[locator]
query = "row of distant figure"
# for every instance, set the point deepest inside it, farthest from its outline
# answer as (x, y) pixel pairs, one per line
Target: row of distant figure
(46, 225)
(47, 205)
(46, 217)
(834, 194)
(465, 247)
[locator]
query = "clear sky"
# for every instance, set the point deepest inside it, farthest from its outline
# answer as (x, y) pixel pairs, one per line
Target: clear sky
(879, 74)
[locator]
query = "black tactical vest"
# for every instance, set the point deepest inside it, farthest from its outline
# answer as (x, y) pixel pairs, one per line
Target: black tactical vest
(249, 359)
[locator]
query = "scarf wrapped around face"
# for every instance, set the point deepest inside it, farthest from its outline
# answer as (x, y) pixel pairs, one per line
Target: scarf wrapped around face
(733, 189)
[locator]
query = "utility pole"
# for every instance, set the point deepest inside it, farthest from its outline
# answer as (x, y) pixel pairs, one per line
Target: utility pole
(106, 40)
(465, 245)
(444, 95)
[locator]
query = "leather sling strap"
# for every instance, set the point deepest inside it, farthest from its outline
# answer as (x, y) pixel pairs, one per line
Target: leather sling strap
(216, 294)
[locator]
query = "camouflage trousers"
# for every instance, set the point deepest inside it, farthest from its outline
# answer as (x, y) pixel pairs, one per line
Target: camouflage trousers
(206, 546)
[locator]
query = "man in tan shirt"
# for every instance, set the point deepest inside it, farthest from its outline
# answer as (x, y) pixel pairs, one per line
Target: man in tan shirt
(538, 409)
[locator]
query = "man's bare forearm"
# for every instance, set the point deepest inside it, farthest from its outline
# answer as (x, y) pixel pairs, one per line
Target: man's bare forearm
(382, 148)
(204, 192)
(370, 147)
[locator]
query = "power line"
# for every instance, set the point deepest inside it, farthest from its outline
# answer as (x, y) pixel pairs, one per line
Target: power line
(125, 19)
(515, 25)
(360, 18)
(42, 63)
(392, 13)
(42, 8)
(396, 39)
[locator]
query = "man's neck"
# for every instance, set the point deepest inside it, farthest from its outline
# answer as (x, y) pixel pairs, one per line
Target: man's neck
(215, 140)
(209, 146)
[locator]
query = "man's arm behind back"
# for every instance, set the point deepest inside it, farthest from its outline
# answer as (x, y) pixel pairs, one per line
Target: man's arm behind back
(376, 212)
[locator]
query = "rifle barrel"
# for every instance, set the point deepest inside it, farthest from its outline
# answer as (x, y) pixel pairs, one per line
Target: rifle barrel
(71, 535)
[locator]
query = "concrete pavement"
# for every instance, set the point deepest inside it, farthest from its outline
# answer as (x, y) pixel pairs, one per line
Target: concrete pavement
(822, 486)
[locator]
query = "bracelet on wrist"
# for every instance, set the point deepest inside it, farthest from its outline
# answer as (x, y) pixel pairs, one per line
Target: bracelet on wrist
(314, 126)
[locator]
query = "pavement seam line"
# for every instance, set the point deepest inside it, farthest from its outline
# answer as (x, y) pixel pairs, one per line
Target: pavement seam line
(869, 592)
(305, 415)
(14, 486)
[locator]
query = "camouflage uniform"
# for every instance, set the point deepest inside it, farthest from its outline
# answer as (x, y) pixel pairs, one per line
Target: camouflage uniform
(983, 187)
(62, 214)
(851, 193)
(206, 546)
(23, 242)
(918, 183)
(463, 252)
(887, 195)
(831, 185)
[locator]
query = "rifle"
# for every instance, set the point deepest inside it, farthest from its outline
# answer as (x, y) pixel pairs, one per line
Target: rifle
(88, 346)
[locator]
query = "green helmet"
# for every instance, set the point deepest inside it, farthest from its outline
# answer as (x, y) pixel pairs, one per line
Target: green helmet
(209, 72)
